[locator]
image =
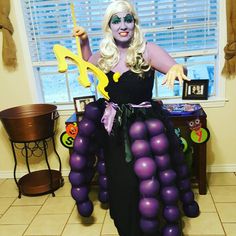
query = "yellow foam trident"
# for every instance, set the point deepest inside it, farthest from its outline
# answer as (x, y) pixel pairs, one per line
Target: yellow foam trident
(62, 53)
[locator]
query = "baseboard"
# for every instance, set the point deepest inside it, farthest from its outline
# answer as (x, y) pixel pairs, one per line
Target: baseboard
(222, 168)
(65, 172)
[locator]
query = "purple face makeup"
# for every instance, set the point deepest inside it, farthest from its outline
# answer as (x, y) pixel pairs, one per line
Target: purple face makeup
(122, 26)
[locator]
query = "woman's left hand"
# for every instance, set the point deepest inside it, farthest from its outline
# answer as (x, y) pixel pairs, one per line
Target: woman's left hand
(175, 72)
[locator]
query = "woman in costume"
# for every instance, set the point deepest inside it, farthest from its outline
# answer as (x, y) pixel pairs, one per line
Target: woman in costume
(129, 63)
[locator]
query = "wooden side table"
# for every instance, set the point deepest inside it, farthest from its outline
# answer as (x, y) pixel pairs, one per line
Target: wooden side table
(199, 149)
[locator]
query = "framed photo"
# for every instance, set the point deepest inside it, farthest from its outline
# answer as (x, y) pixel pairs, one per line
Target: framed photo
(81, 102)
(195, 89)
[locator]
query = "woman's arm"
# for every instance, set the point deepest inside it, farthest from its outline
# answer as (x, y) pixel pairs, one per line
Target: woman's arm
(161, 61)
(84, 42)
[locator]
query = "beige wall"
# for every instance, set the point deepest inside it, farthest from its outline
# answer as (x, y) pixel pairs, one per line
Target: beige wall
(17, 88)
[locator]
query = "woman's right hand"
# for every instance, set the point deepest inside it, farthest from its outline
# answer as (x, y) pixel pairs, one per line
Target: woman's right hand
(80, 32)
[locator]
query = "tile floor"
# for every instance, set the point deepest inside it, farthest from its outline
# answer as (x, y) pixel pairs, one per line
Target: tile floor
(47, 215)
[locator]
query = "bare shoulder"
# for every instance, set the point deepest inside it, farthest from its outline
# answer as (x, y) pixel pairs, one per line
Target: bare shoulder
(153, 48)
(94, 58)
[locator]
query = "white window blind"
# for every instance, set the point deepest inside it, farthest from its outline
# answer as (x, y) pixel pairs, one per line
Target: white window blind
(185, 28)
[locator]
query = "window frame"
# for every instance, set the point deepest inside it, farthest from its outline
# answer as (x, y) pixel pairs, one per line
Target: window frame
(215, 101)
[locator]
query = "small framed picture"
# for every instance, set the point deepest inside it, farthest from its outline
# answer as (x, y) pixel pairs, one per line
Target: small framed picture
(195, 89)
(81, 102)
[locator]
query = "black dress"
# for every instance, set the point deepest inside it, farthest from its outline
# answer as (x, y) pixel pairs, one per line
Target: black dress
(123, 183)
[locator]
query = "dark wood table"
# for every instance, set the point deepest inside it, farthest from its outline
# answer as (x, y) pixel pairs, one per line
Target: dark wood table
(199, 149)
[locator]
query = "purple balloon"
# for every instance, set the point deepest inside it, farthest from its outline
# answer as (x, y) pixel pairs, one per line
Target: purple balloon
(77, 178)
(81, 144)
(100, 155)
(187, 197)
(90, 172)
(140, 148)
(184, 184)
(155, 127)
(182, 171)
(171, 213)
(162, 161)
(171, 230)
(77, 162)
(86, 127)
(178, 158)
(145, 167)
(149, 226)
(101, 167)
(102, 180)
(85, 208)
(91, 161)
(148, 207)
(103, 196)
(138, 130)
(170, 195)
(167, 177)
(80, 194)
(191, 210)
(92, 112)
(149, 187)
(159, 144)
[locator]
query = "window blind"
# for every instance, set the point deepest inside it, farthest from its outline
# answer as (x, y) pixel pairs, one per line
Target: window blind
(179, 26)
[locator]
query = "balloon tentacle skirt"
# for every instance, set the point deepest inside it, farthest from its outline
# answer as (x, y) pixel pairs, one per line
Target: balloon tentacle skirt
(157, 160)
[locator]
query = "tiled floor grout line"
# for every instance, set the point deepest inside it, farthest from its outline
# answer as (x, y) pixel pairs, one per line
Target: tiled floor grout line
(216, 209)
(34, 216)
(67, 220)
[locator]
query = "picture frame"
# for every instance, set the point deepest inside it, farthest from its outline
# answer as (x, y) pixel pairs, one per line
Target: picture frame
(81, 102)
(195, 89)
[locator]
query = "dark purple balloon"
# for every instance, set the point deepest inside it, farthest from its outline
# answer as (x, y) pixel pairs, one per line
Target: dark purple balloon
(171, 213)
(90, 172)
(85, 208)
(159, 144)
(155, 127)
(92, 112)
(103, 196)
(162, 161)
(102, 180)
(178, 158)
(77, 178)
(77, 162)
(80, 194)
(187, 197)
(149, 226)
(171, 230)
(182, 171)
(149, 187)
(170, 195)
(145, 167)
(101, 168)
(138, 130)
(91, 161)
(140, 148)
(184, 184)
(167, 177)
(148, 207)
(81, 144)
(86, 127)
(100, 154)
(191, 210)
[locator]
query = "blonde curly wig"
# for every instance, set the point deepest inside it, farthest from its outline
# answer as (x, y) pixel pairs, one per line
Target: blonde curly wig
(108, 49)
